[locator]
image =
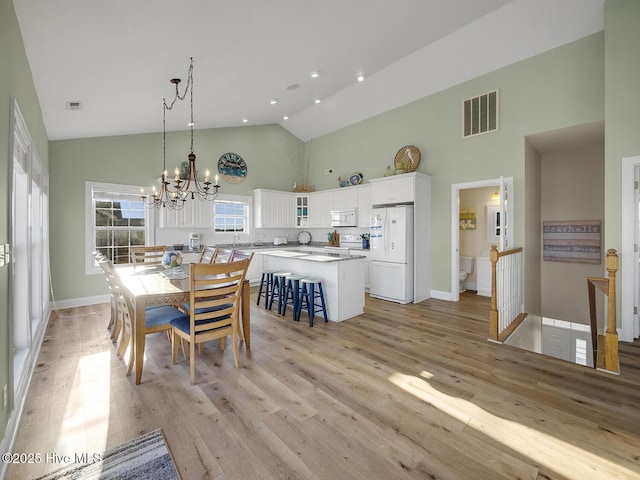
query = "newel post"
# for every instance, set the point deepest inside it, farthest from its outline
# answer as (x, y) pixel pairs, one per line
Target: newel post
(611, 340)
(493, 311)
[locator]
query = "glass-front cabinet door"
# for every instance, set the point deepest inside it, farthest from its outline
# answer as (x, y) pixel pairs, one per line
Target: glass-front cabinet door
(302, 211)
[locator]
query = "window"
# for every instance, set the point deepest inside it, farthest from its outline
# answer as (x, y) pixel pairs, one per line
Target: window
(230, 216)
(480, 114)
(117, 219)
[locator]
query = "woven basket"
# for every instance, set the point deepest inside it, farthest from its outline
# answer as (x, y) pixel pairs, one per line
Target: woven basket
(407, 157)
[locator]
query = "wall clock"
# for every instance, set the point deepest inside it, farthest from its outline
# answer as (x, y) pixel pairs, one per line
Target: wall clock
(232, 168)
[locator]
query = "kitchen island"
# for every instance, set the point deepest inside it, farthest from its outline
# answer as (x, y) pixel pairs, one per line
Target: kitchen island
(342, 277)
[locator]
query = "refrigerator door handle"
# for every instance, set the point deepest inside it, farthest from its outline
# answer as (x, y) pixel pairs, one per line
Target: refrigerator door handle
(386, 233)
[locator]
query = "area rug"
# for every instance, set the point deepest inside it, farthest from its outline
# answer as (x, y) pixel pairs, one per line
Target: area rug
(146, 457)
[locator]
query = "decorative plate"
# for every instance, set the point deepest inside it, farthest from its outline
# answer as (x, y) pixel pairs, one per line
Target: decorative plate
(304, 238)
(408, 157)
(232, 168)
(355, 179)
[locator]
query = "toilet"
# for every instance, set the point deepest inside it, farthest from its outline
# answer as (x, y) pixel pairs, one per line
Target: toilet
(466, 267)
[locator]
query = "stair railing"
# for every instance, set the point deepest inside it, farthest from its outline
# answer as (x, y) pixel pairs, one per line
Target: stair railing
(506, 311)
(605, 347)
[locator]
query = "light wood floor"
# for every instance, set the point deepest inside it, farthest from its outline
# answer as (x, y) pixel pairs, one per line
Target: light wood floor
(401, 392)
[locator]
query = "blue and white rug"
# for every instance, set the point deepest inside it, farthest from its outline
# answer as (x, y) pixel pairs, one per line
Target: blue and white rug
(145, 457)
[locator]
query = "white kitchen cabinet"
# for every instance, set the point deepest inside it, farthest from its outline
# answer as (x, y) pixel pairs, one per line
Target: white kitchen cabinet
(393, 189)
(273, 209)
(345, 197)
(320, 209)
(183, 217)
(203, 214)
(194, 213)
(302, 213)
(364, 205)
(483, 274)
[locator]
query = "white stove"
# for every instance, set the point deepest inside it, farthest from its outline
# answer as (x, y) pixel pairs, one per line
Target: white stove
(347, 242)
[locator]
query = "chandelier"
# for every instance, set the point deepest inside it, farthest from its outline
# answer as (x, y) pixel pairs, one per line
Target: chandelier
(185, 184)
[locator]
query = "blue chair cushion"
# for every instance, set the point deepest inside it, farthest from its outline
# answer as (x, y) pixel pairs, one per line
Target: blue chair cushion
(186, 307)
(183, 322)
(163, 315)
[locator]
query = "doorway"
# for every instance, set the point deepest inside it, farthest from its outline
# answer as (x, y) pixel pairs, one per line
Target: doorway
(630, 277)
(504, 187)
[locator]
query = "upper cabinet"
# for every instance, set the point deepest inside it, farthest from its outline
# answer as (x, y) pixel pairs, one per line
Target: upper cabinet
(194, 213)
(345, 197)
(320, 209)
(302, 211)
(393, 189)
(273, 209)
(364, 205)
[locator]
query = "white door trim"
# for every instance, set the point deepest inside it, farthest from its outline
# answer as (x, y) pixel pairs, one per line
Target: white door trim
(627, 255)
(455, 231)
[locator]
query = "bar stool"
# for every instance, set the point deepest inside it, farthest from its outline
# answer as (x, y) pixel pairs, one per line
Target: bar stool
(292, 294)
(266, 282)
(309, 294)
(277, 290)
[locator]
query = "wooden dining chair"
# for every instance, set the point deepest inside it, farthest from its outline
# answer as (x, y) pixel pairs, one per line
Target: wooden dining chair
(223, 255)
(111, 277)
(214, 309)
(241, 255)
(157, 319)
(208, 254)
(150, 255)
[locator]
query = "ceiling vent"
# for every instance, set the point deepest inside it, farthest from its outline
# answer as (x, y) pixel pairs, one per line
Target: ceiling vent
(480, 114)
(73, 105)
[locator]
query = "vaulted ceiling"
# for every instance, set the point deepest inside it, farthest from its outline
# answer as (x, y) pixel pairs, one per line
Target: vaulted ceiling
(116, 57)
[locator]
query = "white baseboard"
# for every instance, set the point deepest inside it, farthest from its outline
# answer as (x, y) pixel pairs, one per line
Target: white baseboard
(440, 295)
(79, 302)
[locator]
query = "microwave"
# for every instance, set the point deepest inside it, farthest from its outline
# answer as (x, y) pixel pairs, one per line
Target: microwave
(345, 217)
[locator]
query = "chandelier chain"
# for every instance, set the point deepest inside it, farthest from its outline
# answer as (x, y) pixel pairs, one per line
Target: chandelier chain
(186, 184)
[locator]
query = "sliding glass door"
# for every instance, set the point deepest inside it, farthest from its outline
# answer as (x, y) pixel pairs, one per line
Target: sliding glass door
(29, 255)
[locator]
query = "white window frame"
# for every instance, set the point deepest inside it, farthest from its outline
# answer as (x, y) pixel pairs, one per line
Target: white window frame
(248, 202)
(245, 216)
(90, 266)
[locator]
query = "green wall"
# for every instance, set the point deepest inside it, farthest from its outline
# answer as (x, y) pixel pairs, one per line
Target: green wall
(622, 112)
(559, 88)
(15, 82)
(271, 153)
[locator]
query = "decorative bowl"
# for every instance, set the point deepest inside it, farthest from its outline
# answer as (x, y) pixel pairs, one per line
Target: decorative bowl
(172, 259)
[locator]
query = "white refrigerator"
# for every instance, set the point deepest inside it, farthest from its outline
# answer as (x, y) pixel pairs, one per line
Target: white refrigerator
(391, 257)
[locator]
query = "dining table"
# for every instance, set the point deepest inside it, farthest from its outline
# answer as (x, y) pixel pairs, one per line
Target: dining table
(155, 285)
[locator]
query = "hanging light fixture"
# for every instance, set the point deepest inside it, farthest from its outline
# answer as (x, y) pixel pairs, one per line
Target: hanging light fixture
(186, 184)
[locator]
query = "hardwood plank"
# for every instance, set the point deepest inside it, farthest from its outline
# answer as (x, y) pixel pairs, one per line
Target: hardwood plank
(402, 391)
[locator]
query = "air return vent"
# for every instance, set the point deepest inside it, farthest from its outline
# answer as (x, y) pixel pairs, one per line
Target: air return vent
(480, 114)
(73, 105)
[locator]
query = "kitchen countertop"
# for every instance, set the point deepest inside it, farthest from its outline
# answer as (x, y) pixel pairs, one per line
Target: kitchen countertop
(254, 246)
(300, 254)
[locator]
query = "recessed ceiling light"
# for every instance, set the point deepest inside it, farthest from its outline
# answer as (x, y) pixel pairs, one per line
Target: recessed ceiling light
(293, 86)
(190, 124)
(245, 120)
(273, 101)
(315, 74)
(318, 100)
(286, 117)
(360, 78)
